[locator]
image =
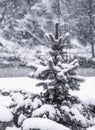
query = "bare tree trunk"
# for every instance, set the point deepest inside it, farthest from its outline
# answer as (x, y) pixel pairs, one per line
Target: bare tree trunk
(56, 31)
(57, 26)
(90, 13)
(92, 47)
(59, 13)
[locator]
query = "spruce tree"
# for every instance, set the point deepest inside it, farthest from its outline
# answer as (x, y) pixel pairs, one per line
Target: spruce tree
(57, 77)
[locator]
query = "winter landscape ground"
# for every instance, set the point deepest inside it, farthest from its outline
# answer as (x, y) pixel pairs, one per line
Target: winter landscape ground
(15, 83)
(26, 84)
(86, 94)
(47, 65)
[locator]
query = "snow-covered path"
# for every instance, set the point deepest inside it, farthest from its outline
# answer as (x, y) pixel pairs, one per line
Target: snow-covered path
(87, 89)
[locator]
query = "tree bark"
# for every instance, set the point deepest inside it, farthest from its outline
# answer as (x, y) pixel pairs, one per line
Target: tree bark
(56, 31)
(90, 13)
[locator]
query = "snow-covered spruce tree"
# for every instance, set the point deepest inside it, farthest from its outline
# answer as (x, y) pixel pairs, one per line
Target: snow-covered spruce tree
(57, 77)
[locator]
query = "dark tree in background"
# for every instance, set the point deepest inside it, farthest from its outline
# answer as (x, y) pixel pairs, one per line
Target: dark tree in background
(86, 25)
(81, 21)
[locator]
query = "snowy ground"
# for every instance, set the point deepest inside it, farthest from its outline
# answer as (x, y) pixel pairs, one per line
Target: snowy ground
(87, 89)
(20, 83)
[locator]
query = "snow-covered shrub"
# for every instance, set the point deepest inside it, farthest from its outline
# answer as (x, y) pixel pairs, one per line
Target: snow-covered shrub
(90, 102)
(75, 116)
(46, 111)
(5, 92)
(42, 124)
(71, 113)
(22, 106)
(6, 118)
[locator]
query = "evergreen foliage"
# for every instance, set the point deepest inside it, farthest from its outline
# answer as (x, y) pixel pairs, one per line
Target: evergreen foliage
(57, 77)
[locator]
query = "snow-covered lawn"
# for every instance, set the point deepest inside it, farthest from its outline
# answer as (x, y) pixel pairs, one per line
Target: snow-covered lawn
(20, 83)
(87, 89)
